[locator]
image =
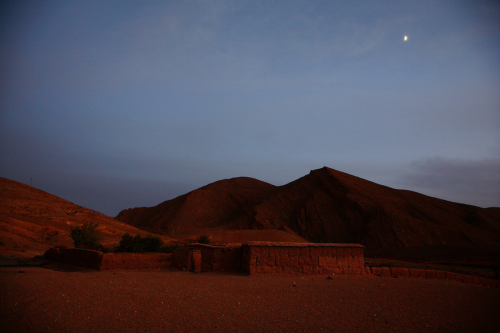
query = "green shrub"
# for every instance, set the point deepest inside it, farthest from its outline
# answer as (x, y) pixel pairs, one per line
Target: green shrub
(203, 239)
(139, 244)
(125, 243)
(107, 249)
(168, 248)
(86, 236)
(152, 243)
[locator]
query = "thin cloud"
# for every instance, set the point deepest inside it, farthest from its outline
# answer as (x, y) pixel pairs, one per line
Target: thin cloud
(475, 182)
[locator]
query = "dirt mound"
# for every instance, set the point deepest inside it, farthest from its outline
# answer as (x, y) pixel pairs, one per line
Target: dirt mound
(31, 221)
(326, 206)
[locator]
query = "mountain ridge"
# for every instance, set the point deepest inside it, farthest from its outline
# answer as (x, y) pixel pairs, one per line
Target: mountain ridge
(326, 205)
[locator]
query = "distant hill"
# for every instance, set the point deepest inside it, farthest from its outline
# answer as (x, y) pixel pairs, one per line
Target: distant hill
(32, 220)
(211, 206)
(326, 206)
(207, 210)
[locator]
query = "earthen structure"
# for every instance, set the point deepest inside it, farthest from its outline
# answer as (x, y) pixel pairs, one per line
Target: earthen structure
(135, 261)
(106, 261)
(209, 258)
(256, 258)
(252, 258)
(303, 258)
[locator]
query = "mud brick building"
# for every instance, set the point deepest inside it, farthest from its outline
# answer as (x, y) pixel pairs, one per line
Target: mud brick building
(273, 258)
(303, 258)
(251, 258)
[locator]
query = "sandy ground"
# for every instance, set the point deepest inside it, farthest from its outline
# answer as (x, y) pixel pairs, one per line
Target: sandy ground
(43, 300)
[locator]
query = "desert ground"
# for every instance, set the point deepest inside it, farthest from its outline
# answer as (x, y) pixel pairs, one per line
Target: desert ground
(63, 299)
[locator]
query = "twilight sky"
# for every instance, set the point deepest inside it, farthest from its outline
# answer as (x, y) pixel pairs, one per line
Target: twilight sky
(119, 104)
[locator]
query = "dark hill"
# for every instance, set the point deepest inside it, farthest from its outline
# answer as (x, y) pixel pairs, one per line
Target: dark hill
(326, 206)
(211, 206)
(332, 206)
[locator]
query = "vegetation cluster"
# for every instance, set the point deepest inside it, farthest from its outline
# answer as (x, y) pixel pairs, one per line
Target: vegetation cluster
(139, 244)
(88, 237)
(203, 239)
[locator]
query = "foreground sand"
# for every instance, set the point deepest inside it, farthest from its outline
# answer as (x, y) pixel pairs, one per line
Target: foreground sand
(44, 300)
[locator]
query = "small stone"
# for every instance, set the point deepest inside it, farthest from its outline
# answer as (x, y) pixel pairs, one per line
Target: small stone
(329, 277)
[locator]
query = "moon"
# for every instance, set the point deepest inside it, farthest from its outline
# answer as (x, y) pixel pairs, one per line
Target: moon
(405, 38)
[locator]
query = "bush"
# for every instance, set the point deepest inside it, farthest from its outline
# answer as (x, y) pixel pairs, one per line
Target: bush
(152, 243)
(168, 248)
(125, 243)
(107, 249)
(86, 236)
(203, 239)
(139, 244)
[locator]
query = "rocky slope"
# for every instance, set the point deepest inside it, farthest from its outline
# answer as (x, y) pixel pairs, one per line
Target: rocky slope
(32, 220)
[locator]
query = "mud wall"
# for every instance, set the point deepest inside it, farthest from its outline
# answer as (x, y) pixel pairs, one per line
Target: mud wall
(78, 257)
(99, 261)
(303, 258)
(399, 272)
(181, 257)
(252, 258)
(221, 258)
(257, 258)
(214, 258)
(135, 261)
